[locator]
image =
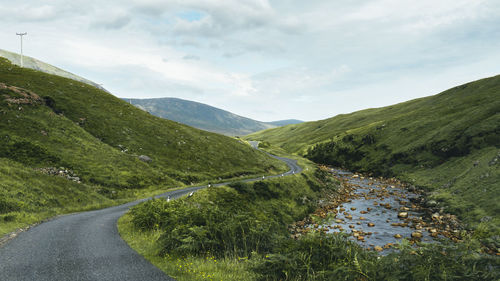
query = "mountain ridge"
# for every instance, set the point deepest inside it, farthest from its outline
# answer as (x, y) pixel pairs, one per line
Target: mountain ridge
(203, 116)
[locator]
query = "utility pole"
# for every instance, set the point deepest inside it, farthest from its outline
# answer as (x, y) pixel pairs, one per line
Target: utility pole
(21, 35)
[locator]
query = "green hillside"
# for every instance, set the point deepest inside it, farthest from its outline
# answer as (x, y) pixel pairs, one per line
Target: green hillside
(200, 116)
(449, 144)
(50, 122)
(35, 64)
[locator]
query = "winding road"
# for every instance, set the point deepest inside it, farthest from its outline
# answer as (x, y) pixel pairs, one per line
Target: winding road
(87, 246)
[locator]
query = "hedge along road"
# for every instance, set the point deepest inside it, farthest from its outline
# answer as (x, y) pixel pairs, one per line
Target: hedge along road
(87, 246)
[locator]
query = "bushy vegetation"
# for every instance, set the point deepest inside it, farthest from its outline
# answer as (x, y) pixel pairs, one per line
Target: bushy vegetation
(447, 144)
(320, 256)
(229, 221)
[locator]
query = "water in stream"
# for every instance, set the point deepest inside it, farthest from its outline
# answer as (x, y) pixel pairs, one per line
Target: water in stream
(378, 213)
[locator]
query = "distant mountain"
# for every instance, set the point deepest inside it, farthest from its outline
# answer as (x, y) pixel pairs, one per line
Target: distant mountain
(35, 64)
(280, 123)
(203, 116)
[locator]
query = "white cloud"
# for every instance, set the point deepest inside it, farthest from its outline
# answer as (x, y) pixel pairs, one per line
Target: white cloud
(264, 59)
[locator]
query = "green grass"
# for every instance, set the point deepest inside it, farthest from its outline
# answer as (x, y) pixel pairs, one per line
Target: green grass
(27, 196)
(446, 144)
(51, 121)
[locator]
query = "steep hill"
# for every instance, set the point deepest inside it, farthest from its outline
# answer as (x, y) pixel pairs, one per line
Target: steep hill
(201, 116)
(99, 143)
(448, 144)
(35, 64)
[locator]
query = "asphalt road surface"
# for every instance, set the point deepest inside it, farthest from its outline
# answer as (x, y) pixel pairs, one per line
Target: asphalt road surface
(86, 246)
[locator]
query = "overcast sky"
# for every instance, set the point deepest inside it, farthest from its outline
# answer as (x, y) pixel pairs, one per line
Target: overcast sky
(267, 60)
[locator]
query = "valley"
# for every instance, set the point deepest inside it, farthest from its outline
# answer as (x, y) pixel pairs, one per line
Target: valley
(425, 170)
(446, 145)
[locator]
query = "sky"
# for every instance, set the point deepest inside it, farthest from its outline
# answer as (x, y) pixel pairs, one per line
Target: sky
(264, 59)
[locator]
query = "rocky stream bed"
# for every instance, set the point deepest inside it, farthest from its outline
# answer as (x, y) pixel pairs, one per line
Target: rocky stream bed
(378, 212)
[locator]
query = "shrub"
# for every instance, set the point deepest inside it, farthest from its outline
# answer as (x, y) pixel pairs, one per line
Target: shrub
(7, 206)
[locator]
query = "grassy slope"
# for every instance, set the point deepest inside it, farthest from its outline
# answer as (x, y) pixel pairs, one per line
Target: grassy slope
(33, 63)
(82, 128)
(27, 196)
(431, 141)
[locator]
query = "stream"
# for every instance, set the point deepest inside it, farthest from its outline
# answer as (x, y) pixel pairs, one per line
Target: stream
(378, 213)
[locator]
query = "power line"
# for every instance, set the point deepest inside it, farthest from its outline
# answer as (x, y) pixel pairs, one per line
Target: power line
(21, 35)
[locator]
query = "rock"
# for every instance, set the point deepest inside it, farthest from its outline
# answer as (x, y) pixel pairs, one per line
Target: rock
(431, 203)
(353, 209)
(370, 224)
(378, 248)
(402, 215)
(404, 209)
(145, 158)
(338, 221)
(361, 238)
(362, 218)
(416, 234)
(397, 236)
(486, 219)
